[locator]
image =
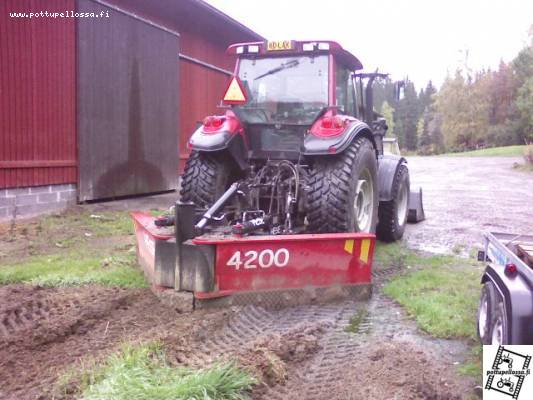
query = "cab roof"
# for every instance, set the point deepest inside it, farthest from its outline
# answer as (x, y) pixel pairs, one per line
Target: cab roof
(291, 47)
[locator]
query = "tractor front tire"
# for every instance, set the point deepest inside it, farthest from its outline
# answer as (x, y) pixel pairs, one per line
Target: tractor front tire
(206, 177)
(343, 191)
(392, 215)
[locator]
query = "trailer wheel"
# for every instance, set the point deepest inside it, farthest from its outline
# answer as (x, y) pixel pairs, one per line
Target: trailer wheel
(486, 312)
(205, 178)
(499, 328)
(343, 195)
(392, 215)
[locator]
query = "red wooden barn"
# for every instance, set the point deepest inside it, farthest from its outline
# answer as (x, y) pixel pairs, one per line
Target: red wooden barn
(98, 98)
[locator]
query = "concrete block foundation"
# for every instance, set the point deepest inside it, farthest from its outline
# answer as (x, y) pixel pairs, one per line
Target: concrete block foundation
(29, 201)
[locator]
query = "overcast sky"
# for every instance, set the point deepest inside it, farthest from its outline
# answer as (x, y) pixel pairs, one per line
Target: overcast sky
(421, 39)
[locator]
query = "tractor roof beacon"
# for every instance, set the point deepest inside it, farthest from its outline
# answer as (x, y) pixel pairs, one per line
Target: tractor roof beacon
(296, 157)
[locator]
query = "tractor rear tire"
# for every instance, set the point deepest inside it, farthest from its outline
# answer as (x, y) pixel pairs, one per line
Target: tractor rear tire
(343, 195)
(206, 177)
(392, 215)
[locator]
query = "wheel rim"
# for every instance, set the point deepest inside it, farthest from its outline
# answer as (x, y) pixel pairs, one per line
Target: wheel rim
(364, 202)
(497, 331)
(402, 204)
(482, 320)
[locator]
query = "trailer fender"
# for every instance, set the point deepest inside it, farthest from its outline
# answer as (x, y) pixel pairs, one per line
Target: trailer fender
(517, 297)
(387, 166)
(314, 145)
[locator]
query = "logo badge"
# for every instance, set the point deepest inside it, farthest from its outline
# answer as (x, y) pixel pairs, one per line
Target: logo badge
(506, 372)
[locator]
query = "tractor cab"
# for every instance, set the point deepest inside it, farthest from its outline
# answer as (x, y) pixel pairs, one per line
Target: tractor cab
(292, 87)
(287, 93)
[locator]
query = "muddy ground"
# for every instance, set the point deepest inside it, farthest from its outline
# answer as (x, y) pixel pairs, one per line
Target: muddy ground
(312, 351)
(466, 196)
(346, 350)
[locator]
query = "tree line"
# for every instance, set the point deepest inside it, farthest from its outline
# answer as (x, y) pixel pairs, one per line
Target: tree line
(471, 110)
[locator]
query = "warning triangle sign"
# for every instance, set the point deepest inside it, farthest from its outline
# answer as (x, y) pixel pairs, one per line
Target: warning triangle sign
(235, 93)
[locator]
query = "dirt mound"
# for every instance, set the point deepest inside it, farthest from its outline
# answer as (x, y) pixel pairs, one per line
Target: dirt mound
(394, 370)
(269, 357)
(44, 332)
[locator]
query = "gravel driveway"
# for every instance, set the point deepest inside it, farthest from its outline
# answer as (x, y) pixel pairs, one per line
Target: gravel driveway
(466, 196)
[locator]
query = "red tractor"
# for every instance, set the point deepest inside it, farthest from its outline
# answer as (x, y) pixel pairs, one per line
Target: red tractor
(294, 163)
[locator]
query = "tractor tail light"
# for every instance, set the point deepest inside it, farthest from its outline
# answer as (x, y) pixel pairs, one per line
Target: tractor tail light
(213, 123)
(510, 269)
(327, 123)
(217, 122)
(222, 123)
(329, 126)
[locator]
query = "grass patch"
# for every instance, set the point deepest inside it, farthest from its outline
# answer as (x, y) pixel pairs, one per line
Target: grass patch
(74, 269)
(355, 321)
(441, 293)
(141, 372)
(157, 212)
(504, 151)
(443, 299)
(474, 366)
(101, 224)
(396, 254)
(74, 248)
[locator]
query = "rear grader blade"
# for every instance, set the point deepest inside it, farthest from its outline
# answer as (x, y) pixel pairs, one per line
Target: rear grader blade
(273, 271)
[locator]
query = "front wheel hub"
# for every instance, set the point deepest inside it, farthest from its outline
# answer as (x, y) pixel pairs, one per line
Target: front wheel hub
(402, 204)
(364, 202)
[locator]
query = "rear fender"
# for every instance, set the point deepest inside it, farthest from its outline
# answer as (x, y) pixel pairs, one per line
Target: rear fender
(517, 296)
(314, 145)
(232, 142)
(387, 166)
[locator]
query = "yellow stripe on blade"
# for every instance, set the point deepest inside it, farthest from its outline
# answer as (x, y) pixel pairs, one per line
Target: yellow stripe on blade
(348, 246)
(365, 248)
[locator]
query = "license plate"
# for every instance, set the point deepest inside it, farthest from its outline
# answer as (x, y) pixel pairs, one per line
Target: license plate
(279, 45)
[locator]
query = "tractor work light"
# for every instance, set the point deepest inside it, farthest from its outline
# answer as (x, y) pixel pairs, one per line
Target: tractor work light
(253, 48)
(313, 46)
(239, 50)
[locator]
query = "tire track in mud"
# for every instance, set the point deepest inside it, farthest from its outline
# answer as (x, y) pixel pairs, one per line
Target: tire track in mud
(252, 322)
(339, 349)
(46, 331)
(27, 315)
(334, 372)
(332, 369)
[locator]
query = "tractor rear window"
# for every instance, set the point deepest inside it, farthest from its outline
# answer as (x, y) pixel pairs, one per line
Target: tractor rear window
(284, 90)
